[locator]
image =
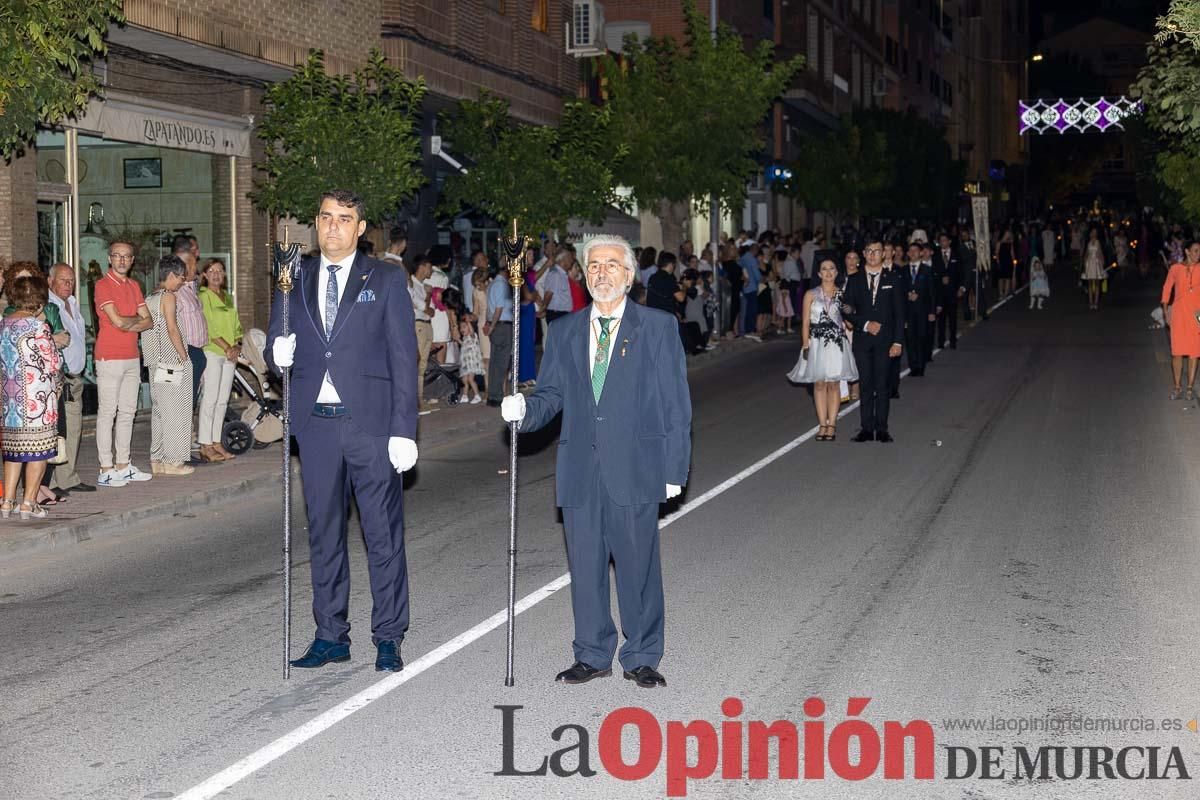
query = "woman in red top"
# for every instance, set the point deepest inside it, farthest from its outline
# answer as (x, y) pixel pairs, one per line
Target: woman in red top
(579, 298)
(1181, 303)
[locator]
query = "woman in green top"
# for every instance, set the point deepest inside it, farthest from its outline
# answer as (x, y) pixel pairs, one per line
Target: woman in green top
(222, 351)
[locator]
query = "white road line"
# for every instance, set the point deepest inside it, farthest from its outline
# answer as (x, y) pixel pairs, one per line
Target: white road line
(317, 725)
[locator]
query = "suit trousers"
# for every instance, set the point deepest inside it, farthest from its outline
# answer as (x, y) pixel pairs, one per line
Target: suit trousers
(948, 322)
(336, 455)
(501, 362)
(914, 344)
(66, 476)
(600, 531)
(874, 371)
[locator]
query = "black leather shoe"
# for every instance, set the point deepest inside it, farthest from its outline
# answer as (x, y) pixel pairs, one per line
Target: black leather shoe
(494, 403)
(884, 436)
(581, 673)
(895, 395)
(917, 373)
(863, 436)
(388, 659)
(646, 678)
(322, 652)
(82, 487)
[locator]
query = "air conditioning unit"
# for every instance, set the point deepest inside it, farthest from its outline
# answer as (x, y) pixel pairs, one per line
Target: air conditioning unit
(585, 31)
(879, 87)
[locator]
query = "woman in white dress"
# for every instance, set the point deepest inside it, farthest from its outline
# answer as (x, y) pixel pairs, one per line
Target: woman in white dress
(825, 360)
(1093, 267)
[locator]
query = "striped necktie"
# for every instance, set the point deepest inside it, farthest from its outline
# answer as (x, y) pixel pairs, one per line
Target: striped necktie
(600, 368)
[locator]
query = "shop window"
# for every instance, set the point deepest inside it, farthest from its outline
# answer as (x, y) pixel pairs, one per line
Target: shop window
(540, 20)
(148, 195)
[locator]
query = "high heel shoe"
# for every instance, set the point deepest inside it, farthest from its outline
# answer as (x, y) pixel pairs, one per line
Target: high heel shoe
(6, 508)
(34, 512)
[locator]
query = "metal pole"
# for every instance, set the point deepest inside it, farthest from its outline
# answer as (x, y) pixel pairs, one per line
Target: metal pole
(516, 279)
(714, 215)
(285, 257)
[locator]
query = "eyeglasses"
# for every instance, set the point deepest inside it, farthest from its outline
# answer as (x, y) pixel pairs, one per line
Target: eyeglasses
(120, 257)
(608, 267)
(873, 250)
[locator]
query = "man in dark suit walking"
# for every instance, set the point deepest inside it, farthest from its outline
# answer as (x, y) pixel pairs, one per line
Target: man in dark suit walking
(353, 355)
(874, 305)
(919, 310)
(948, 279)
(617, 372)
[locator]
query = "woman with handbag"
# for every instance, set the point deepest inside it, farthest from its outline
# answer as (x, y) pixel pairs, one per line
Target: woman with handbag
(1181, 304)
(170, 376)
(30, 377)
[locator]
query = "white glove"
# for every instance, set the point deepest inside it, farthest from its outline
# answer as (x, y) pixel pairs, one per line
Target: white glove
(402, 453)
(283, 349)
(512, 408)
(673, 491)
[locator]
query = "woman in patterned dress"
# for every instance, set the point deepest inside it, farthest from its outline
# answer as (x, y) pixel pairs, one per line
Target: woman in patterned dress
(30, 373)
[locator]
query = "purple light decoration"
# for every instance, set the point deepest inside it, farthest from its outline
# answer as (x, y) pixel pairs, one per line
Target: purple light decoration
(1102, 107)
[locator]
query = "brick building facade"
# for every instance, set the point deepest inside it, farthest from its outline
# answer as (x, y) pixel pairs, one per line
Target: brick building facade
(171, 145)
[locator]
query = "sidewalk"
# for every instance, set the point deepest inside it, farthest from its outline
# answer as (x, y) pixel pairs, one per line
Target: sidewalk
(91, 515)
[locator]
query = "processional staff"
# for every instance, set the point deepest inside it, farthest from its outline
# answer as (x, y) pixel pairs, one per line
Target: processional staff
(514, 250)
(285, 269)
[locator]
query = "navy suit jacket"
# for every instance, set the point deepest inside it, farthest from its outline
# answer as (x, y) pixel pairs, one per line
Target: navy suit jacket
(371, 354)
(639, 435)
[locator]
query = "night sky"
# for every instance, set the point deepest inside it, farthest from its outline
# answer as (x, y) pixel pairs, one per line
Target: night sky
(1134, 13)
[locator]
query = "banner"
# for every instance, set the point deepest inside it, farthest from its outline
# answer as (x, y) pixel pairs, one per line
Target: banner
(983, 244)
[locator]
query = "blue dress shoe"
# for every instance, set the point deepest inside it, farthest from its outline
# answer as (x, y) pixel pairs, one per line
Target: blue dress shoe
(388, 658)
(322, 652)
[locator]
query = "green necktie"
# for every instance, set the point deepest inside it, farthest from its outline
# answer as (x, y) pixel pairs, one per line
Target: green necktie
(600, 368)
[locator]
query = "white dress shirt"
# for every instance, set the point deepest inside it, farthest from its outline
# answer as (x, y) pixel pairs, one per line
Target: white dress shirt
(328, 394)
(419, 295)
(594, 336)
(75, 353)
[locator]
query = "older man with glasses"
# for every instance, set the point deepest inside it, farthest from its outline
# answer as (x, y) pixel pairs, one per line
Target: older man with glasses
(616, 370)
(62, 294)
(122, 316)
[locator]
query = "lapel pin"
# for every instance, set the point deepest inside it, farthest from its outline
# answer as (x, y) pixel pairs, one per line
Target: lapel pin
(623, 345)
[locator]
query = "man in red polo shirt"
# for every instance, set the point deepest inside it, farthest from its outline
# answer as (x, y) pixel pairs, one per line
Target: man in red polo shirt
(122, 316)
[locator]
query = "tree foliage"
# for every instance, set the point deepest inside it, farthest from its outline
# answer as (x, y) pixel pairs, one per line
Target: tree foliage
(842, 171)
(541, 175)
(1180, 23)
(45, 48)
(880, 163)
(1169, 88)
(691, 112)
(358, 132)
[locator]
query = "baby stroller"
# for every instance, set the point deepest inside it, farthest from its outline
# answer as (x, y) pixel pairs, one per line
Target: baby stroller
(261, 422)
(442, 383)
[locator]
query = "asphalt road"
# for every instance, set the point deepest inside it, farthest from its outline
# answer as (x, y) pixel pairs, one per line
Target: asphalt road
(1038, 565)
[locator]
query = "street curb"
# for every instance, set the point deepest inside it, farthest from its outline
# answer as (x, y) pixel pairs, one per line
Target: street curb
(15, 542)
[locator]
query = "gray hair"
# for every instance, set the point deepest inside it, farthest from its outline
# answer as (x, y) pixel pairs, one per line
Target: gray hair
(606, 240)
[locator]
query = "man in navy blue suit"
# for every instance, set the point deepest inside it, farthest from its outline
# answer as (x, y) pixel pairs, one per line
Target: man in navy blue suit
(617, 372)
(353, 356)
